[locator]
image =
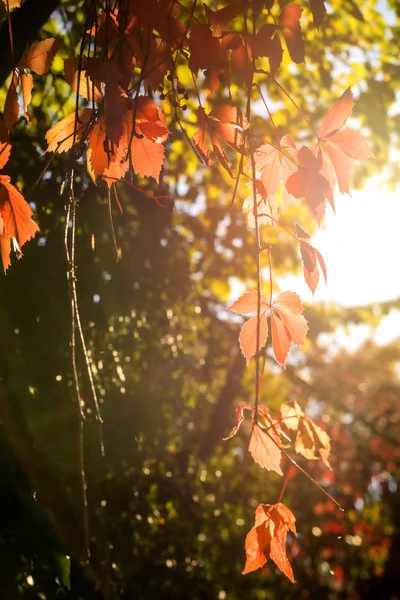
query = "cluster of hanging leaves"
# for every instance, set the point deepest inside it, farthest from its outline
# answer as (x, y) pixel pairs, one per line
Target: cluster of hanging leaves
(130, 50)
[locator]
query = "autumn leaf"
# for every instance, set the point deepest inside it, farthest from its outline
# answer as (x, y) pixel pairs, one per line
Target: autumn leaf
(225, 123)
(311, 258)
(312, 442)
(268, 43)
(276, 163)
(5, 149)
(11, 105)
(218, 20)
(88, 88)
(16, 222)
(97, 157)
(340, 145)
(205, 48)
(265, 443)
(39, 58)
(267, 539)
(287, 323)
(309, 184)
(248, 333)
(60, 137)
(26, 89)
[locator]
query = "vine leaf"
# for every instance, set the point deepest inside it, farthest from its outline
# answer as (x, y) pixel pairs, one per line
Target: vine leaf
(341, 145)
(312, 442)
(287, 324)
(60, 137)
(225, 123)
(311, 257)
(308, 183)
(276, 164)
(218, 20)
(265, 443)
(40, 57)
(267, 41)
(16, 222)
(267, 539)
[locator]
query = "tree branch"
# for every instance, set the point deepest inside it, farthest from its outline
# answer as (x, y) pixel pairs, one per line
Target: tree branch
(25, 22)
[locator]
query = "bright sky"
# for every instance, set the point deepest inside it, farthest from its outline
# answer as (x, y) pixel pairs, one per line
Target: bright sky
(361, 248)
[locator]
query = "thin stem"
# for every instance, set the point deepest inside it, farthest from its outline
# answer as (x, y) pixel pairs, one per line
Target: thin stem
(288, 475)
(270, 275)
(291, 100)
(269, 113)
(257, 229)
(303, 471)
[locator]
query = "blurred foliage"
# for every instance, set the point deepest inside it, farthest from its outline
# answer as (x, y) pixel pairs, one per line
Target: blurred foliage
(170, 504)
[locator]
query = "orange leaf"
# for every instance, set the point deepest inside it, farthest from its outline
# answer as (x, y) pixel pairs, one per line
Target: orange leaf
(239, 420)
(337, 115)
(248, 336)
(267, 539)
(61, 136)
(97, 157)
(288, 325)
(310, 257)
(351, 143)
(11, 105)
(88, 89)
(15, 217)
(5, 149)
(265, 450)
(40, 57)
(147, 157)
(311, 439)
(26, 88)
(246, 303)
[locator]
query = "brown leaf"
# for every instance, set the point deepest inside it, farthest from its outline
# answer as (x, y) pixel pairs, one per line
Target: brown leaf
(39, 58)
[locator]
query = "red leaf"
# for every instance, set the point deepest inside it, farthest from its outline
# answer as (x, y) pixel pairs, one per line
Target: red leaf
(205, 49)
(337, 115)
(267, 539)
(40, 57)
(351, 143)
(308, 183)
(219, 19)
(310, 257)
(226, 123)
(342, 166)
